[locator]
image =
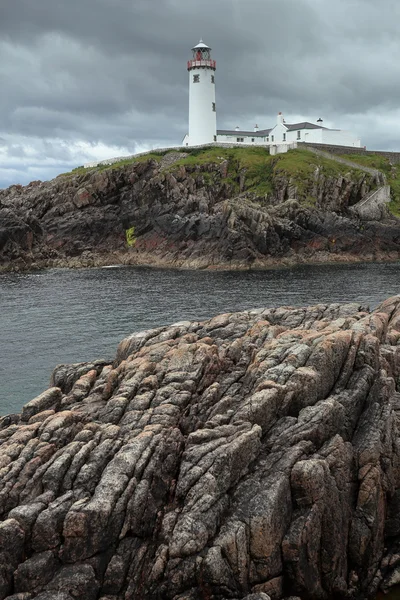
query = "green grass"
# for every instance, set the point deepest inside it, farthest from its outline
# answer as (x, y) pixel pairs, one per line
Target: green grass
(260, 169)
(254, 170)
(301, 166)
(392, 172)
(77, 171)
(255, 163)
(374, 161)
(394, 204)
(157, 156)
(121, 163)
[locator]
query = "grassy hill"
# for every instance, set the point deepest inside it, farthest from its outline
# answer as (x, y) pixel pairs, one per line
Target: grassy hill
(214, 207)
(253, 169)
(261, 169)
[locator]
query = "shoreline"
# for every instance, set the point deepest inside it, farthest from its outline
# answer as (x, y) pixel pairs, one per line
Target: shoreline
(125, 259)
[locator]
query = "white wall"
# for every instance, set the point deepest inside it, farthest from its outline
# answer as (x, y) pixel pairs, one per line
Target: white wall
(202, 118)
(340, 138)
(277, 133)
(281, 148)
(336, 137)
(247, 139)
(313, 136)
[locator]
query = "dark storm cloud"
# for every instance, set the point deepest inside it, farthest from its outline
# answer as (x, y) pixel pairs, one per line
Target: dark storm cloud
(86, 77)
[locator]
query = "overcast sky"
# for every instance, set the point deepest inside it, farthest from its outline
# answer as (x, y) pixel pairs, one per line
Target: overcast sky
(89, 79)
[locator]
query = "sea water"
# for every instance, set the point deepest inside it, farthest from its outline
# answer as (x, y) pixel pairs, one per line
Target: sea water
(68, 316)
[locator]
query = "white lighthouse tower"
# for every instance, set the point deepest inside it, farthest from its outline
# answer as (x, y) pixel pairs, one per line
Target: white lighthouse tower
(202, 108)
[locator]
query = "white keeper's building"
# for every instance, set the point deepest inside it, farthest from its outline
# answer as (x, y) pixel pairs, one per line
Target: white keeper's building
(203, 116)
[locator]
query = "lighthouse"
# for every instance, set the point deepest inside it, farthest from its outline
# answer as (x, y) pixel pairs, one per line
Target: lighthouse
(202, 108)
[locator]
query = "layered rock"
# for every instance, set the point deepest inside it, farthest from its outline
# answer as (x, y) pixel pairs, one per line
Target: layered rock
(255, 455)
(202, 215)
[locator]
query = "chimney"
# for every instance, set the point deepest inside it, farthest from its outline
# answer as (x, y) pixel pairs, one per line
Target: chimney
(237, 128)
(320, 121)
(256, 128)
(280, 118)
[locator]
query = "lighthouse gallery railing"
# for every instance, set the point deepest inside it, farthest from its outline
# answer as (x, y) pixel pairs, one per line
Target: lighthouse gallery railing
(202, 63)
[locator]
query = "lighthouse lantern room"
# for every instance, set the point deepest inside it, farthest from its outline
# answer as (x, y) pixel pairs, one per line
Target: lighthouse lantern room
(202, 108)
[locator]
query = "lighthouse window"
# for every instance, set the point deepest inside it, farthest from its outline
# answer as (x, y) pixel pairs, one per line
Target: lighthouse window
(196, 78)
(298, 135)
(213, 106)
(212, 79)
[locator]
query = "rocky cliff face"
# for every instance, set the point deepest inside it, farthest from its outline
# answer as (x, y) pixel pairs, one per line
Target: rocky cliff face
(202, 215)
(255, 455)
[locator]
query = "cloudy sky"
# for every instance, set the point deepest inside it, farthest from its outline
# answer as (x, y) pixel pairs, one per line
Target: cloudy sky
(89, 79)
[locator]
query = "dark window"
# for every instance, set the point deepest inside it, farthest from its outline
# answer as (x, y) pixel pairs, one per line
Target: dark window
(252, 139)
(212, 79)
(284, 137)
(213, 106)
(240, 139)
(215, 138)
(267, 139)
(196, 78)
(299, 135)
(272, 138)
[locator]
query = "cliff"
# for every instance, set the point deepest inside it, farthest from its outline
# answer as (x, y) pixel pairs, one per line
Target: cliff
(252, 456)
(218, 208)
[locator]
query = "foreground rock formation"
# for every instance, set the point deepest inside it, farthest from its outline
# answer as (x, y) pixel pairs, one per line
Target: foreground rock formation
(253, 455)
(194, 215)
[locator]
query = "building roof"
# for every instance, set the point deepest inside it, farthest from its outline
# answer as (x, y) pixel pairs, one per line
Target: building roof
(201, 44)
(304, 125)
(259, 133)
(265, 132)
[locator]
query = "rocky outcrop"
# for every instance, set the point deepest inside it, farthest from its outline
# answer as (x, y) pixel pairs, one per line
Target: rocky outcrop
(195, 215)
(374, 205)
(255, 455)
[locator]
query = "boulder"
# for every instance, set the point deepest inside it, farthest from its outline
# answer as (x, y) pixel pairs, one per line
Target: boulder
(252, 456)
